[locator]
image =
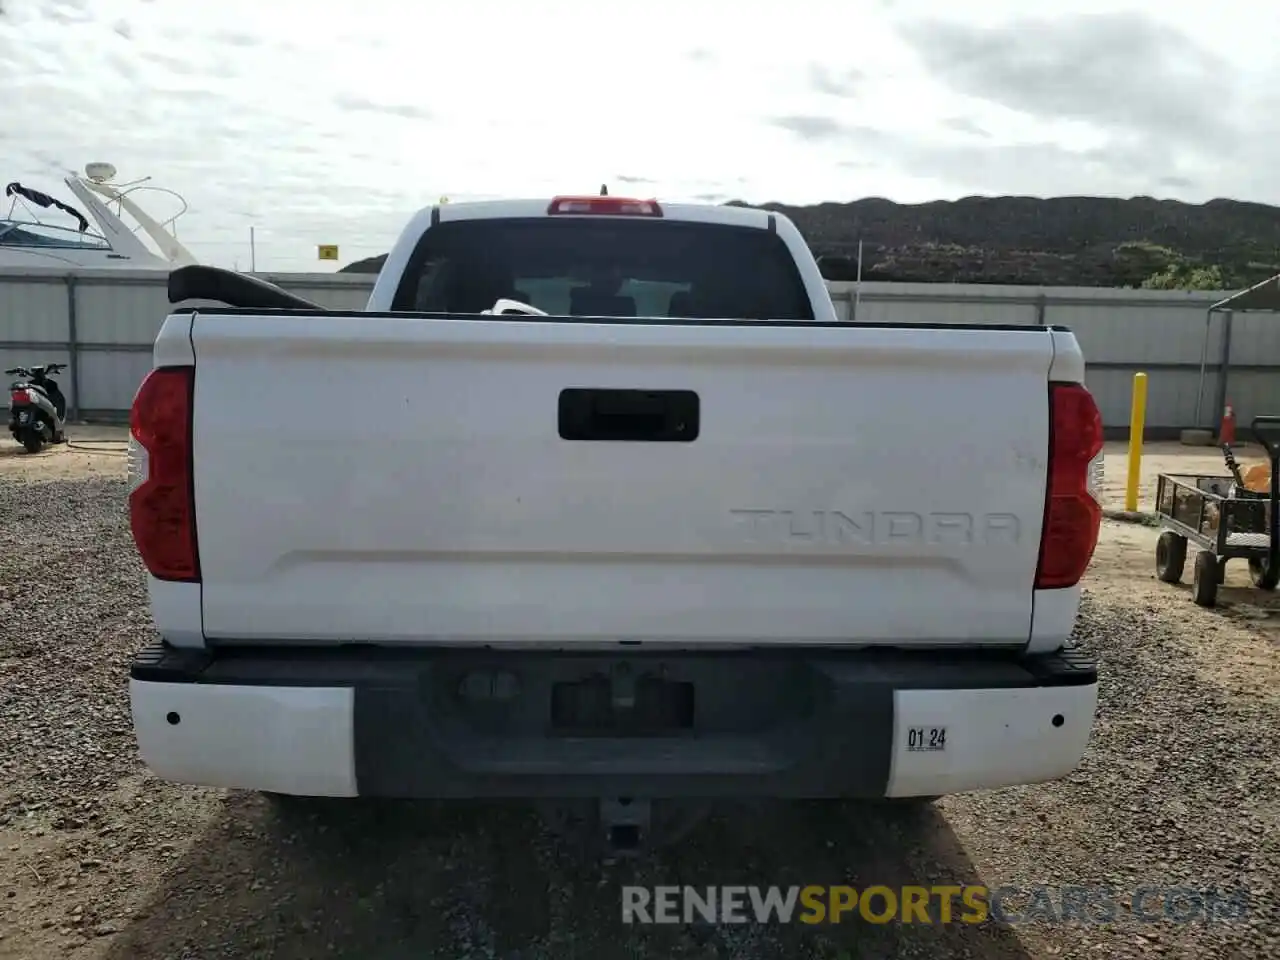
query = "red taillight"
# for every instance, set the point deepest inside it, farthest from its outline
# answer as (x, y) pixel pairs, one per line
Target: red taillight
(605, 206)
(1072, 514)
(162, 510)
(20, 397)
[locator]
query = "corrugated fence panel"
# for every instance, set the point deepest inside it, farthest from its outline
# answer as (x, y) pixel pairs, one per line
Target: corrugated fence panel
(33, 311)
(129, 311)
(1255, 338)
(1252, 393)
(938, 303)
(889, 310)
(109, 379)
(1134, 334)
(1171, 396)
(332, 292)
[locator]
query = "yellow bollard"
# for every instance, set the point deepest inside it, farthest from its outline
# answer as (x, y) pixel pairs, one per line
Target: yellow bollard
(1137, 417)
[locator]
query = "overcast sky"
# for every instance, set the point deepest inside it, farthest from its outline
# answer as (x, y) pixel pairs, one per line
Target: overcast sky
(328, 122)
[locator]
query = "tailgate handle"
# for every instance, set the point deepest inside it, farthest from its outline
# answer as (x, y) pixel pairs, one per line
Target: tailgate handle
(635, 416)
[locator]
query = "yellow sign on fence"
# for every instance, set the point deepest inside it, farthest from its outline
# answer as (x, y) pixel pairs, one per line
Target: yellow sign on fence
(327, 251)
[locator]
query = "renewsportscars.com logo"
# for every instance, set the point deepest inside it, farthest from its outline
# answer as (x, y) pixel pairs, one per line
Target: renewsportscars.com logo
(939, 903)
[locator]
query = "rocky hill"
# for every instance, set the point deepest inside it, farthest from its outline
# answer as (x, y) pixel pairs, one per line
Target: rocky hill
(1062, 241)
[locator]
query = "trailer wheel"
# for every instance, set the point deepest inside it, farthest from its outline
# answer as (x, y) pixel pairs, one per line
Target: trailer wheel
(1204, 579)
(1171, 556)
(1262, 577)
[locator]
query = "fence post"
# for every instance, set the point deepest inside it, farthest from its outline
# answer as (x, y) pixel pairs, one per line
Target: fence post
(1220, 401)
(73, 350)
(1137, 423)
(1041, 303)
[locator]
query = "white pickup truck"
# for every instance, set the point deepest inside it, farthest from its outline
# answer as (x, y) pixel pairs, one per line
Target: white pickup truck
(686, 535)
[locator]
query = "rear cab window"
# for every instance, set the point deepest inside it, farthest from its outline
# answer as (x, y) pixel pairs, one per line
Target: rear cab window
(605, 267)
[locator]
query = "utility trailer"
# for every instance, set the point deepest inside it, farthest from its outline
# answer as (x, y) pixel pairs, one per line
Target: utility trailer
(1224, 519)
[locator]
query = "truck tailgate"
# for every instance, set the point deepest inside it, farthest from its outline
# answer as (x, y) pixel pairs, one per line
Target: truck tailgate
(408, 480)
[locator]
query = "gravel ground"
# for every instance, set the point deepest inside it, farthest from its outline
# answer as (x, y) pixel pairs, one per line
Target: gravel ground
(97, 859)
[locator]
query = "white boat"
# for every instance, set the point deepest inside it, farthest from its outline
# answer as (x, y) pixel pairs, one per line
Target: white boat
(27, 240)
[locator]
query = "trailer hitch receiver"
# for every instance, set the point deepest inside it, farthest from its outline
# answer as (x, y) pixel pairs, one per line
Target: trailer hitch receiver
(625, 822)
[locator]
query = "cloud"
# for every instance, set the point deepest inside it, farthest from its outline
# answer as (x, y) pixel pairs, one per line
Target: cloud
(67, 12)
(363, 105)
(210, 67)
(1165, 111)
(1022, 169)
(965, 125)
(1119, 71)
(811, 127)
(844, 83)
(234, 38)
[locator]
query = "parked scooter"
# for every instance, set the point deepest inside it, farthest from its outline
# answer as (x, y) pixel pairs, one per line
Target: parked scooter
(37, 408)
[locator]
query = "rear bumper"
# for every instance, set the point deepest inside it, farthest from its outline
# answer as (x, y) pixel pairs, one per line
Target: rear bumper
(460, 724)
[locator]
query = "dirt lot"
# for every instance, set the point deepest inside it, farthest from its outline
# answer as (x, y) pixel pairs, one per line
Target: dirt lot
(1180, 787)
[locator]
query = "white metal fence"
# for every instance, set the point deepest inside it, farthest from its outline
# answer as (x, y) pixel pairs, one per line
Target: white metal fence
(102, 324)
